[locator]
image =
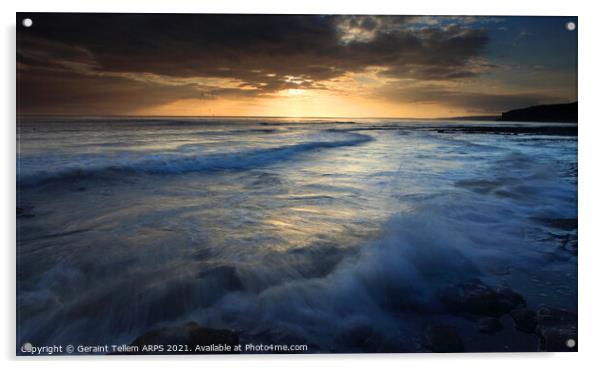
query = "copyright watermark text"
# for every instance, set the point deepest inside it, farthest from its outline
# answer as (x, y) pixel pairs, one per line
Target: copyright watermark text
(30, 349)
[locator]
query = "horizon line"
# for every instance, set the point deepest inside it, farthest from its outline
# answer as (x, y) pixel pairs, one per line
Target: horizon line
(244, 116)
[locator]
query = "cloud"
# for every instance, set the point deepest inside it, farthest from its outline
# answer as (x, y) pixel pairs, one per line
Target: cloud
(117, 63)
(69, 93)
(252, 55)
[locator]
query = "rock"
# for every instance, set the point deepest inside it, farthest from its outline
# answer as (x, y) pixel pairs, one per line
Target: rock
(558, 339)
(490, 325)
(557, 330)
(551, 316)
(190, 334)
(560, 130)
(476, 298)
(356, 336)
(566, 224)
(443, 338)
(570, 244)
(543, 113)
(524, 320)
(25, 212)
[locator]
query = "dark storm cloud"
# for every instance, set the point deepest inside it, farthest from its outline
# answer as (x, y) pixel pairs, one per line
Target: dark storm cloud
(68, 93)
(65, 92)
(264, 53)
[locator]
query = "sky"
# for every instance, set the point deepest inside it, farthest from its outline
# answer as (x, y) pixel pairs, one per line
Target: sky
(292, 65)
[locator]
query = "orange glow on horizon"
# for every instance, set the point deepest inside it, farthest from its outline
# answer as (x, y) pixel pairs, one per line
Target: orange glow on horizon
(300, 103)
(361, 95)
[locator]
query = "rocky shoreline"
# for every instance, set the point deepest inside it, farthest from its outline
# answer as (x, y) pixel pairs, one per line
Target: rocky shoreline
(557, 130)
(556, 329)
(484, 306)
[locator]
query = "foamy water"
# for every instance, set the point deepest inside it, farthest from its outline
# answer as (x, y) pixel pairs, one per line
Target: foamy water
(286, 231)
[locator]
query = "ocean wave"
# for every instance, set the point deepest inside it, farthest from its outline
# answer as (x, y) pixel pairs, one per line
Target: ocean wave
(419, 254)
(174, 163)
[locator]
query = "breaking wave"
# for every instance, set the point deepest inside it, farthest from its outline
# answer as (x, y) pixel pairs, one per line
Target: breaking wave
(176, 163)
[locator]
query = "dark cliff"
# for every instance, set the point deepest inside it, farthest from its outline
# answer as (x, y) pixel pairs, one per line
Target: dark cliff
(543, 113)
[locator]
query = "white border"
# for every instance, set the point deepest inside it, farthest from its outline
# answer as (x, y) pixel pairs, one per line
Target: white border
(590, 185)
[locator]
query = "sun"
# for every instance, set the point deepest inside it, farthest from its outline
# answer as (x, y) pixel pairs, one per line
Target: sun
(295, 92)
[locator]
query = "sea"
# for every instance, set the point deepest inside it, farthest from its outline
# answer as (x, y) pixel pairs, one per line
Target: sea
(340, 234)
